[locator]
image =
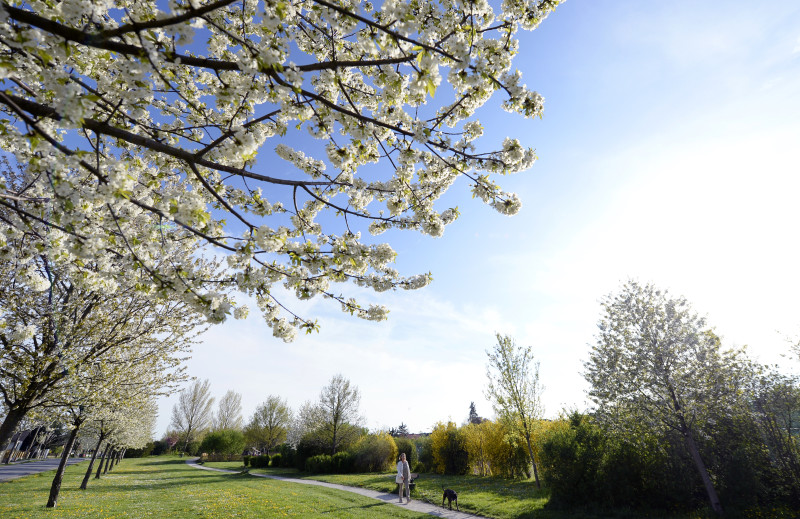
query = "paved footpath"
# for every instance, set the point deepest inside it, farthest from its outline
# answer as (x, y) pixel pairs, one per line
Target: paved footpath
(26, 468)
(415, 504)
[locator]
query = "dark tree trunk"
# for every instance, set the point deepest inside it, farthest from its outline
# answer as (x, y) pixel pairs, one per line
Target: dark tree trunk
(102, 459)
(716, 505)
(55, 488)
(121, 455)
(85, 481)
(533, 460)
(10, 423)
(108, 461)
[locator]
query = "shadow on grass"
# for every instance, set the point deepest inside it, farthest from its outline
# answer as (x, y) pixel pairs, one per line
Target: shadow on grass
(354, 507)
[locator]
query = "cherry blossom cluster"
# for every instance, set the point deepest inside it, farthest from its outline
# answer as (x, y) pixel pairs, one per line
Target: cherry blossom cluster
(273, 131)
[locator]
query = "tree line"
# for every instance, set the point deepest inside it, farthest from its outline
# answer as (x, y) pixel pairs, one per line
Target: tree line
(678, 421)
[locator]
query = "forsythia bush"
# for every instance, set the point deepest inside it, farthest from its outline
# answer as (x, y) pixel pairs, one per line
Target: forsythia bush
(375, 452)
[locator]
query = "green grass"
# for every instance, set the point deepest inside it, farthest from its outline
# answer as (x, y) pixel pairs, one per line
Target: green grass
(494, 498)
(489, 497)
(165, 487)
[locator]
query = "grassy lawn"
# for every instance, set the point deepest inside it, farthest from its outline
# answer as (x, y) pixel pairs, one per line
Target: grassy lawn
(500, 498)
(165, 487)
(489, 497)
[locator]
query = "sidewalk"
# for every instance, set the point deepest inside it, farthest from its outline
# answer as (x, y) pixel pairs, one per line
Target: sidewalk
(20, 469)
(415, 505)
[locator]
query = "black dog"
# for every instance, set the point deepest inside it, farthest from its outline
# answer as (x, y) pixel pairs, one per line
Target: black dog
(451, 496)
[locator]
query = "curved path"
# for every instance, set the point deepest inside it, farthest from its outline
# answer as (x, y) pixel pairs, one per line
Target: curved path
(26, 468)
(415, 504)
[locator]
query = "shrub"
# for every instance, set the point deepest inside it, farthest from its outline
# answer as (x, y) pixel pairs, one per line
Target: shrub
(449, 449)
(275, 460)
(220, 457)
(288, 454)
(404, 445)
(225, 441)
(193, 449)
(419, 467)
(147, 450)
(505, 452)
(160, 447)
(425, 453)
(344, 462)
(320, 464)
(307, 447)
(375, 452)
(609, 470)
(259, 462)
(245, 460)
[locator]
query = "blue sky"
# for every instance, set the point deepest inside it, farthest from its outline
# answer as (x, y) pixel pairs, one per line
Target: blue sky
(668, 153)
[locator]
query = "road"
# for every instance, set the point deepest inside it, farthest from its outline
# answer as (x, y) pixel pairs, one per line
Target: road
(18, 470)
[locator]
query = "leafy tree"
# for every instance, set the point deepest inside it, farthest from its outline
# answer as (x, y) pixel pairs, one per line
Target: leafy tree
(776, 409)
(192, 413)
(473, 417)
(229, 412)
(656, 366)
(269, 424)
(337, 413)
(58, 321)
(401, 430)
(515, 391)
(102, 97)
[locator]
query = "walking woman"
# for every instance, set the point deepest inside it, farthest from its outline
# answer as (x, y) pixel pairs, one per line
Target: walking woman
(403, 478)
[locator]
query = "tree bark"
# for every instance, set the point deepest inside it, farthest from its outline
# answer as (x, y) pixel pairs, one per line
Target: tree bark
(102, 459)
(701, 468)
(121, 455)
(85, 481)
(530, 449)
(533, 460)
(55, 488)
(108, 460)
(10, 423)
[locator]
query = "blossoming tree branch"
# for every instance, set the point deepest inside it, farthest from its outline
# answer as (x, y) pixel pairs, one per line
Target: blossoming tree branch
(128, 119)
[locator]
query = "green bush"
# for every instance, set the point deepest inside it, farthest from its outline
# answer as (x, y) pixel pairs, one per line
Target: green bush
(220, 457)
(225, 441)
(275, 460)
(259, 462)
(344, 462)
(245, 460)
(610, 471)
(147, 450)
(425, 451)
(404, 445)
(375, 452)
(307, 447)
(288, 454)
(193, 449)
(419, 467)
(320, 464)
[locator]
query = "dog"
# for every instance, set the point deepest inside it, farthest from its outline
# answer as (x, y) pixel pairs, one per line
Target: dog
(451, 496)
